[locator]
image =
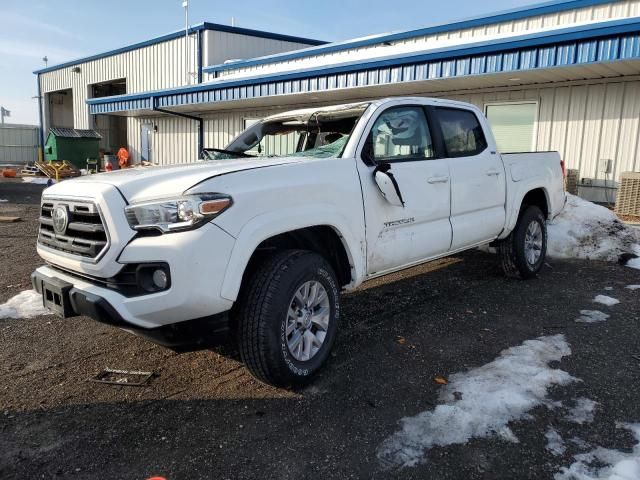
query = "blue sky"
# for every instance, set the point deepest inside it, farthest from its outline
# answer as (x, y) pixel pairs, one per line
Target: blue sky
(67, 29)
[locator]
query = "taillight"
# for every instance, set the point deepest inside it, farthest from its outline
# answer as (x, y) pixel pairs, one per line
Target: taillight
(564, 169)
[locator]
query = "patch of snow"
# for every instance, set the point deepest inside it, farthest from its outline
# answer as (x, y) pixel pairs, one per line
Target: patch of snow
(37, 180)
(26, 304)
(608, 289)
(634, 263)
(605, 300)
(555, 444)
(583, 411)
(578, 442)
(592, 316)
(633, 287)
(481, 402)
(487, 249)
(586, 230)
(617, 465)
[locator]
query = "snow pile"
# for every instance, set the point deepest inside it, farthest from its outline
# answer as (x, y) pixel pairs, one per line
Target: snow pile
(586, 230)
(617, 465)
(37, 180)
(592, 316)
(555, 444)
(481, 402)
(26, 304)
(633, 287)
(605, 300)
(583, 411)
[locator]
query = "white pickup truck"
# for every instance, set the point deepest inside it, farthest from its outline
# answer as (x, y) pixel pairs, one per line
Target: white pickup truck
(257, 241)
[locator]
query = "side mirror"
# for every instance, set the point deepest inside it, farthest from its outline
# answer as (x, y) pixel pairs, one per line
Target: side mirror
(388, 187)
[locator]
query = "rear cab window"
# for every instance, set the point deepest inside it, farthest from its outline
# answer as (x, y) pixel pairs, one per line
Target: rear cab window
(462, 132)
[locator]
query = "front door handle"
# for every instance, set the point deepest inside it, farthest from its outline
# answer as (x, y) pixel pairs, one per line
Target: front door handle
(441, 179)
(493, 172)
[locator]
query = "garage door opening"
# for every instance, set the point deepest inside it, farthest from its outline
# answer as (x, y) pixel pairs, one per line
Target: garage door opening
(60, 108)
(113, 128)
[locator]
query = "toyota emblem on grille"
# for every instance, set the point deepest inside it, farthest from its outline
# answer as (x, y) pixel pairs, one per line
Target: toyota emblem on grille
(60, 217)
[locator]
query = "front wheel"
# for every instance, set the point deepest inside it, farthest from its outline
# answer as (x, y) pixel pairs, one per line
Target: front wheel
(288, 316)
(523, 252)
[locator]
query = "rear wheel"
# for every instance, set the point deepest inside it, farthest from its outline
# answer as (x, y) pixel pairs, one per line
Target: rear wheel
(523, 252)
(288, 316)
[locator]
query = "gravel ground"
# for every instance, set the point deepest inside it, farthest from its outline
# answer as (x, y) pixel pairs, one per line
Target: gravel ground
(204, 416)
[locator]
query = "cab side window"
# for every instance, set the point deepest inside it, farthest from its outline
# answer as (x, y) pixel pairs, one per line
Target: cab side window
(401, 134)
(461, 132)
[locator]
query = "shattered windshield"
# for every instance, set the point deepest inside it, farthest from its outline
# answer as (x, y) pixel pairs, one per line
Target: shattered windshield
(313, 133)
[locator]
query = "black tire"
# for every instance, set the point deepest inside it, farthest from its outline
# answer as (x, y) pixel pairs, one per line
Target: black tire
(262, 313)
(511, 250)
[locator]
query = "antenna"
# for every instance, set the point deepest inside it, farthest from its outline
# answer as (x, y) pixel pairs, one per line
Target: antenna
(46, 61)
(185, 5)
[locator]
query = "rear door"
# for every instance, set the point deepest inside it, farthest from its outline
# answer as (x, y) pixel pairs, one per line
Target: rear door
(400, 139)
(477, 177)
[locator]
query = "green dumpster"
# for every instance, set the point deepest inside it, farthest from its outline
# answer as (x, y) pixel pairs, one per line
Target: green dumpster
(73, 145)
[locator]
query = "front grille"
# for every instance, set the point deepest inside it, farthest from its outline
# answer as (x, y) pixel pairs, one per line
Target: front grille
(84, 234)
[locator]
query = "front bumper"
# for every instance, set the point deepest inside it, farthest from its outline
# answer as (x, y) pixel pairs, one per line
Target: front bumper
(213, 329)
(197, 260)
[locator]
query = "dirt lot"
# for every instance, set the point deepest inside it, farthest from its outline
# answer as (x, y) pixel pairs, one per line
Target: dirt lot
(204, 416)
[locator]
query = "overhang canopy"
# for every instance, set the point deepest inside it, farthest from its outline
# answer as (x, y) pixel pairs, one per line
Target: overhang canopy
(607, 49)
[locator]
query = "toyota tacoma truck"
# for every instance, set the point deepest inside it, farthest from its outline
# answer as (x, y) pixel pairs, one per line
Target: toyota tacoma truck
(257, 241)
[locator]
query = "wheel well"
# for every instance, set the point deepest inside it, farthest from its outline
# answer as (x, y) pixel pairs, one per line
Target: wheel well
(538, 198)
(322, 239)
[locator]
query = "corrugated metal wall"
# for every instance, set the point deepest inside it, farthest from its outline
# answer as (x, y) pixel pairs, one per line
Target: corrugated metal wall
(175, 140)
(586, 123)
(18, 144)
(218, 47)
(596, 13)
(157, 66)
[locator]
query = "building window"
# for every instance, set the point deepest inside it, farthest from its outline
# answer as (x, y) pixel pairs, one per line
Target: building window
(513, 125)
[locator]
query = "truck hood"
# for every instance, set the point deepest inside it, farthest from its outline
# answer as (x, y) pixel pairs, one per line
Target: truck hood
(145, 183)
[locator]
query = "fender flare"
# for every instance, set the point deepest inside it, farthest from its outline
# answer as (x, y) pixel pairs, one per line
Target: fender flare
(515, 212)
(265, 226)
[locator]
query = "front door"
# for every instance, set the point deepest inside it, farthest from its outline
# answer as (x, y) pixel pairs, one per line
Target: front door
(477, 178)
(146, 142)
(397, 236)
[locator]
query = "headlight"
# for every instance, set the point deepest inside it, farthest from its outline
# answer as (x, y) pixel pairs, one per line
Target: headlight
(177, 214)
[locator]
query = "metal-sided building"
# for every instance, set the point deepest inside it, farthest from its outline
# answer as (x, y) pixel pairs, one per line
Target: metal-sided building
(563, 75)
(169, 61)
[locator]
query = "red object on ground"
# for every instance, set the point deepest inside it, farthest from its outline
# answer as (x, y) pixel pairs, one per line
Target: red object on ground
(9, 173)
(108, 167)
(123, 157)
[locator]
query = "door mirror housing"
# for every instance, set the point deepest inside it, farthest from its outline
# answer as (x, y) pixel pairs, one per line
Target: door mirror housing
(388, 186)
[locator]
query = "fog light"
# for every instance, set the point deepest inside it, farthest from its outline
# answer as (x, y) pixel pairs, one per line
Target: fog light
(160, 279)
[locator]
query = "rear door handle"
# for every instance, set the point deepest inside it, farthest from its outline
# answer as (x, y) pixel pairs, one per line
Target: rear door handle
(441, 179)
(493, 172)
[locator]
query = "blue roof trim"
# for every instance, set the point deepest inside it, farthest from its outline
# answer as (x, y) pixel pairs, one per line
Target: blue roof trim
(609, 41)
(180, 33)
(504, 16)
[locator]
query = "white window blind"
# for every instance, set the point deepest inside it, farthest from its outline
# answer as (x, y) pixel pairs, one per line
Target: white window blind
(513, 126)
